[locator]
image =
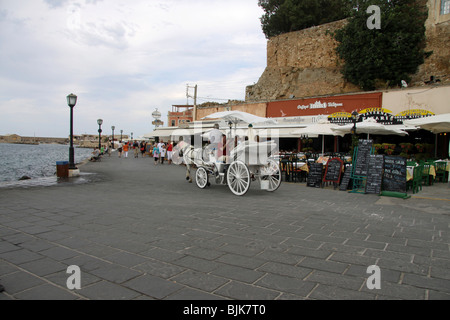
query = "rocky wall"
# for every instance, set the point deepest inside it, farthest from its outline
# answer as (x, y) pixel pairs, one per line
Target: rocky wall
(304, 63)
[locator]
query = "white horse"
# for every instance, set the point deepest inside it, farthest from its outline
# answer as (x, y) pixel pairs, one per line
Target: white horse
(185, 153)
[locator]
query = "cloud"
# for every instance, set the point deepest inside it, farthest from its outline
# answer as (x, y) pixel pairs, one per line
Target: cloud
(122, 58)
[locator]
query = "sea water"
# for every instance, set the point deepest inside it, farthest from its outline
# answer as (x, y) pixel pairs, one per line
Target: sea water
(35, 161)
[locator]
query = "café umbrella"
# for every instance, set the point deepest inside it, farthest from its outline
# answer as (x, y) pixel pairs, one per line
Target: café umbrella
(323, 128)
(234, 117)
(436, 124)
(370, 126)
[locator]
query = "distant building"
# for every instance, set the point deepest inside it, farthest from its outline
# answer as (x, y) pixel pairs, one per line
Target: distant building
(180, 115)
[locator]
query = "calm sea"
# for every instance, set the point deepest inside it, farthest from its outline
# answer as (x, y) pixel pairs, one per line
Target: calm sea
(34, 161)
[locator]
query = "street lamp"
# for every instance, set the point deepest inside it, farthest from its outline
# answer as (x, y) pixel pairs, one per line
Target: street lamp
(121, 131)
(71, 101)
(113, 128)
(99, 122)
(355, 117)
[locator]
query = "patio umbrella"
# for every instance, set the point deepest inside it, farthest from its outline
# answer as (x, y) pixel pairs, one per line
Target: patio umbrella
(436, 124)
(323, 128)
(239, 116)
(370, 126)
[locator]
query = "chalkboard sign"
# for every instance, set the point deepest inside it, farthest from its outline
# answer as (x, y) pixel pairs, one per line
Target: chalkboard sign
(394, 178)
(346, 179)
(315, 175)
(374, 174)
(333, 170)
(363, 153)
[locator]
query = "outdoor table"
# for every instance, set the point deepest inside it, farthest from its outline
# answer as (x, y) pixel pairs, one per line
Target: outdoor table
(430, 170)
(409, 173)
(323, 160)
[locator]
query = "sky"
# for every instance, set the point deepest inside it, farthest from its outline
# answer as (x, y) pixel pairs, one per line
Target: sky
(123, 59)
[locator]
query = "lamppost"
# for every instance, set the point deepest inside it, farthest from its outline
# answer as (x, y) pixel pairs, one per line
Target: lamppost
(99, 122)
(113, 128)
(121, 131)
(71, 101)
(355, 117)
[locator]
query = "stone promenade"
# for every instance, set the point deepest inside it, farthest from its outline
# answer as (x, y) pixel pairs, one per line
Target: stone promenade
(139, 231)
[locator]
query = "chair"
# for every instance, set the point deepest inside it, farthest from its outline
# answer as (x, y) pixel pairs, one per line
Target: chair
(297, 174)
(286, 167)
(432, 166)
(417, 179)
(441, 172)
(425, 174)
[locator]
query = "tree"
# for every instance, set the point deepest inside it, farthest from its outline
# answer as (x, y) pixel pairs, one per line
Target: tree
(282, 16)
(387, 55)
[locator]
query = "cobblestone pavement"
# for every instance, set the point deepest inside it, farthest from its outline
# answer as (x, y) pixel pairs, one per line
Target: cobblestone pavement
(139, 231)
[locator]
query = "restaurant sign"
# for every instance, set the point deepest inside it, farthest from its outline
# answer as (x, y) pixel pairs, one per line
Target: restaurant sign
(413, 114)
(340, 118)
(323, 105)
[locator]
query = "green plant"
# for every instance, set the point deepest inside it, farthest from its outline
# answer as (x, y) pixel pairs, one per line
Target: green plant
(380, 58)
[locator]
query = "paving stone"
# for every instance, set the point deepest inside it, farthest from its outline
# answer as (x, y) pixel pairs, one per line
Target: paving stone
(153, 286)
(200, 280)
(241, 291)
(325, 292)
(46, 292)
(130, 242)
(44, 267)
(105, 290)
(115, 273)
(20, 281)
(286, 284)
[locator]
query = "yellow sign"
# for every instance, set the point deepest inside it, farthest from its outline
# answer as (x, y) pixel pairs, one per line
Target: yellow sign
(415, 112)
(375, 110)
(340, 115)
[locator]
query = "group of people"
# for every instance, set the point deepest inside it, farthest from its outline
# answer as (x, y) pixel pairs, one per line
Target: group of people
(161, 151)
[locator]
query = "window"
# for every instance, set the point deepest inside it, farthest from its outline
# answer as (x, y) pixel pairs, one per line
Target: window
(173, 123)
(445, 7)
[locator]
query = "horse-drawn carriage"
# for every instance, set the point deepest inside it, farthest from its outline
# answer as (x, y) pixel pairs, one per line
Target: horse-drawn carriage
(247, 162)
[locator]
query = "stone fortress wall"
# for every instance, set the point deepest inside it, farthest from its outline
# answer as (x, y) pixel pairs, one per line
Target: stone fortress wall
(304, 63)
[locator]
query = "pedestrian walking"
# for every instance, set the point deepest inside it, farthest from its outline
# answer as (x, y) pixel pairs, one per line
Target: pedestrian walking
(136, 149)
(156, 154)
(120, 149)
(109, 148)
(143, 147)
(162, 152)
(169, 152)
(125, 149)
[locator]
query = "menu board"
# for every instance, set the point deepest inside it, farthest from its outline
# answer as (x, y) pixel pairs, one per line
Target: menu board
(394, 177)
(315, 175)
(375, 166)
(346, 179)
(364, 151)
(333, 170)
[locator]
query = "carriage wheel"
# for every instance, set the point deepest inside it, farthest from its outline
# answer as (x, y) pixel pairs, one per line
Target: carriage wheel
(238, 178)
(201, 178)
(271, 172)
